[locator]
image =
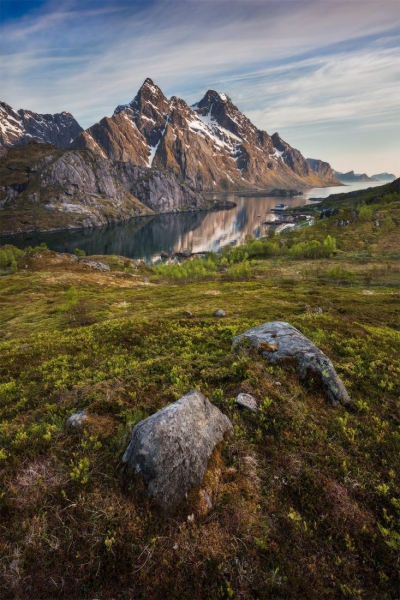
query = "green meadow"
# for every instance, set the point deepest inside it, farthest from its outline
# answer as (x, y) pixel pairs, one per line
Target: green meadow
(307, 496)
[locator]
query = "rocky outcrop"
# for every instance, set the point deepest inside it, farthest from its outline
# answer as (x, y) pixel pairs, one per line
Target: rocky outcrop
(74, 189)
(170, 449)
(24, 126)
(211, 145)
(281, 343)
(323, 170)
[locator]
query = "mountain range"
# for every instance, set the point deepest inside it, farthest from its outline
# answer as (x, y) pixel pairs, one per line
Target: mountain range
(352, 177)
(211, 145)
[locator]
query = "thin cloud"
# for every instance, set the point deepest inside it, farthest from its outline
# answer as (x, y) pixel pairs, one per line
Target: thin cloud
(287, 64)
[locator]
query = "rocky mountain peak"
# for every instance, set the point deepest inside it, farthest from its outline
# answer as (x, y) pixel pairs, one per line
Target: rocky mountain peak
(148, 98)
(22, 126)
(279, 143)
(321, 168)
(210, 98)
(217, 107)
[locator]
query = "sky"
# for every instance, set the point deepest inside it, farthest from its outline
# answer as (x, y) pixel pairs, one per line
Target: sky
(323, 73)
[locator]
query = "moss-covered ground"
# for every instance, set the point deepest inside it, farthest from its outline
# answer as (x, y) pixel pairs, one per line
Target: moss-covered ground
(307, 496)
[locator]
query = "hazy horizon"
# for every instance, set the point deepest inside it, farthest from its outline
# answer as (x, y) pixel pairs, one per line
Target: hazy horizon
(323, 73)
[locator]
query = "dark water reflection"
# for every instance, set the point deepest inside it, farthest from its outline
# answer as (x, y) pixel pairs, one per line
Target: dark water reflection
(195, 232)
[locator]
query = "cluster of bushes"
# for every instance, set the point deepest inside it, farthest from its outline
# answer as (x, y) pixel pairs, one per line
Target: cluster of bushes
(235, 260)
(190, 269)
(273, 247)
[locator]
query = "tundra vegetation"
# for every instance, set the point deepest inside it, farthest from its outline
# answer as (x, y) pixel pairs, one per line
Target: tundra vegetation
(307, 496)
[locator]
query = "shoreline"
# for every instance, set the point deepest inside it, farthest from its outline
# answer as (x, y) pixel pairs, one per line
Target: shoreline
(214, 208)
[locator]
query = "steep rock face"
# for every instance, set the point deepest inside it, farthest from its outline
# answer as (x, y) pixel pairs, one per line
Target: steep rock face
(159, 190)
(56, 189)
(23, 126)
(210, 145)
(322, 169)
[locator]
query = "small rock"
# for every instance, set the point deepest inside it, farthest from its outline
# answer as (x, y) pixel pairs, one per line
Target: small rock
(171, 449)
(220, 313)
(95, 264)
(247, 401)
(207, 499)
(294, 347)
(319, 310)
(77, 419)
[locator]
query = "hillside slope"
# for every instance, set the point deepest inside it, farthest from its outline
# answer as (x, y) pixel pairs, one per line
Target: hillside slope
(306, 496)
(45, 188)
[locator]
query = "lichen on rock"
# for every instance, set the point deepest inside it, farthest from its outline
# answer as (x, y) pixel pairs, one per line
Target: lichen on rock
(280, 343)
(170, 449)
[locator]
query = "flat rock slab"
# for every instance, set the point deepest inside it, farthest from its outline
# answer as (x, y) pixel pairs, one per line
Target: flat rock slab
(280, 343)
(170, 449)
(247, 401)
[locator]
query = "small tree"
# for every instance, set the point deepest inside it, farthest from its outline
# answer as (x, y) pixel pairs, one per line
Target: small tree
(329, 246)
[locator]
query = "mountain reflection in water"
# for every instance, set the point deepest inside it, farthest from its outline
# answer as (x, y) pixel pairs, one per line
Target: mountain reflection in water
(147, 237)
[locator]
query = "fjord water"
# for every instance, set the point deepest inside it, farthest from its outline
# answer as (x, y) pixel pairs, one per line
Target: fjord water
(147, 237)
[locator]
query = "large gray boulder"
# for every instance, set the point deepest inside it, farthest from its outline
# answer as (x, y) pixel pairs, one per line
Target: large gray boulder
(170, 449)
(280, 343)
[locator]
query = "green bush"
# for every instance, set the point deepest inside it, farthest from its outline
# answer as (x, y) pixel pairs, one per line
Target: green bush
(190, 269)
(8, 258)
(365, 213)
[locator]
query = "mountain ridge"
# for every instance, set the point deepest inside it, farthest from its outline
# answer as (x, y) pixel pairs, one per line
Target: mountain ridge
(350, 176)
(22, 126)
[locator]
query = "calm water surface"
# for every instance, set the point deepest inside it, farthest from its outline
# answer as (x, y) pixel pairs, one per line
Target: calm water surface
(147, 237)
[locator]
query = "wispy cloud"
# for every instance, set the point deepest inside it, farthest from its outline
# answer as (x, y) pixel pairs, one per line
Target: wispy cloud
(289, 64)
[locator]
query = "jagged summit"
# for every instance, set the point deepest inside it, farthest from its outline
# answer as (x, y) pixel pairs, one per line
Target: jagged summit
(211, 145)
(209, 98)
(149, 94)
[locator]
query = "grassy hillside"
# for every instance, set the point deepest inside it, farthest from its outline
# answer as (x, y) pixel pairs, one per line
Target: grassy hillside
(307, 495)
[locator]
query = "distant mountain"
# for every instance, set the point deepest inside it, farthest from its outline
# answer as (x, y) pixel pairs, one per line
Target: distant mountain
(23, 126)
(210, 145)
(322, 169)
(352, 177)
(384, 177)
